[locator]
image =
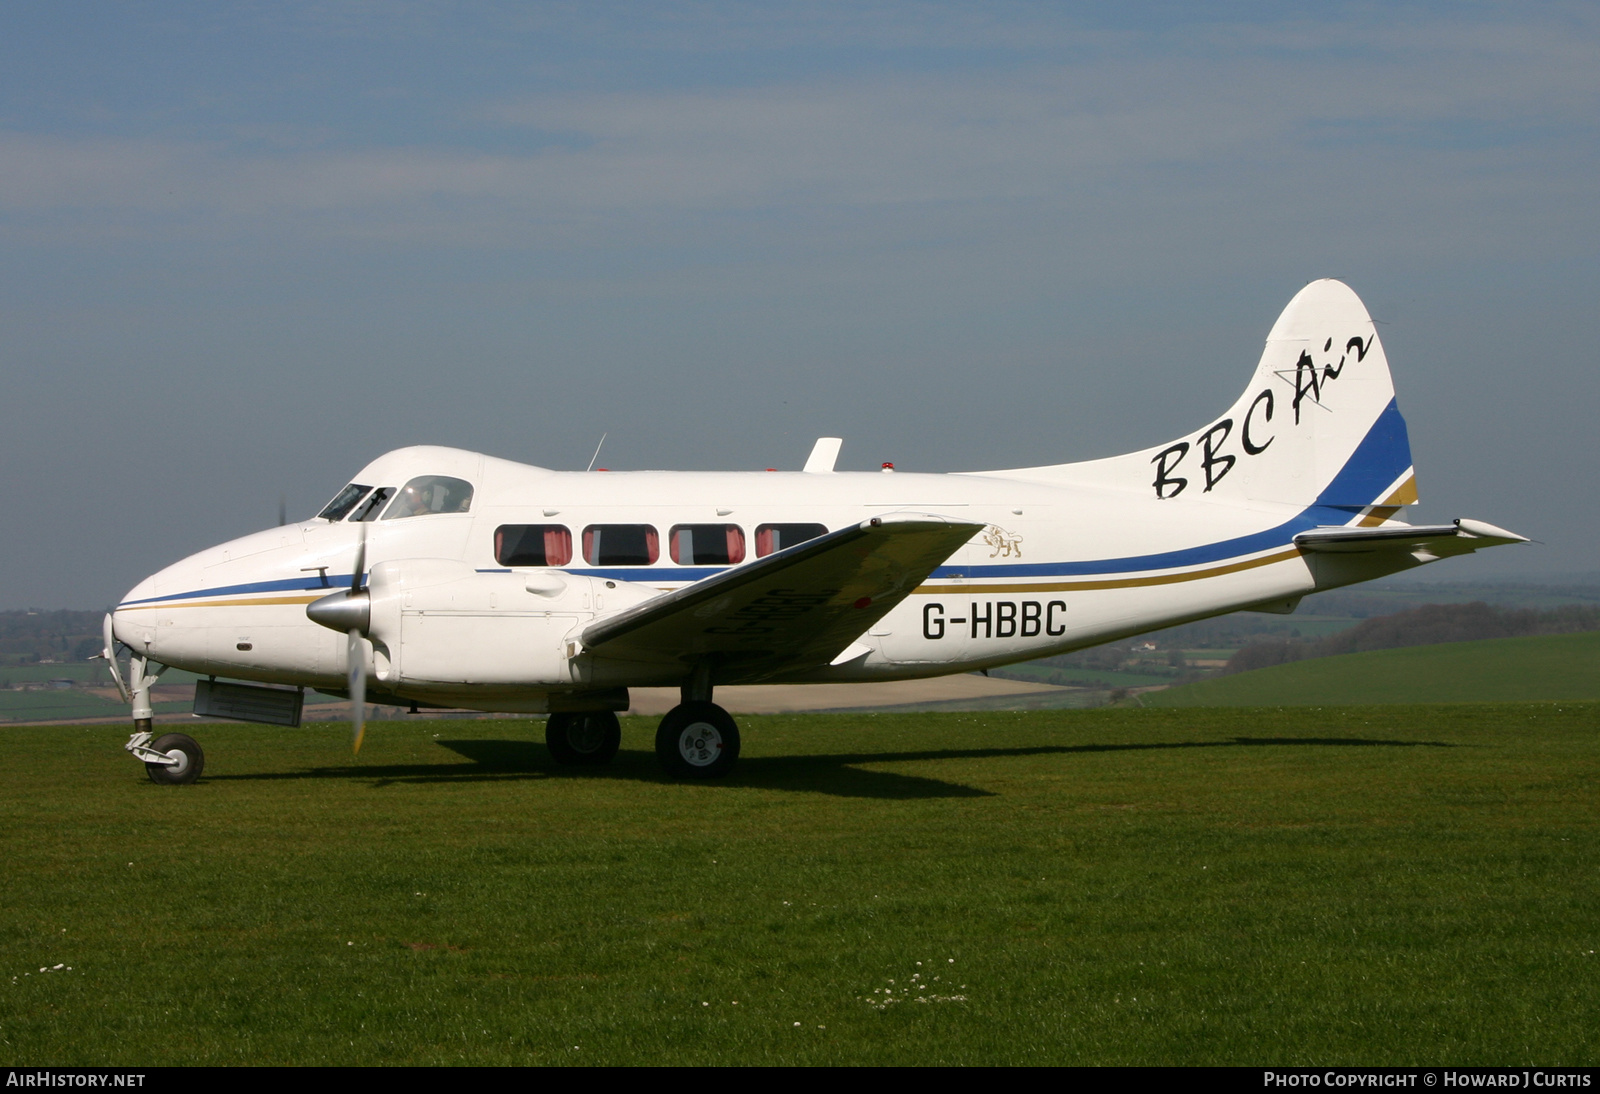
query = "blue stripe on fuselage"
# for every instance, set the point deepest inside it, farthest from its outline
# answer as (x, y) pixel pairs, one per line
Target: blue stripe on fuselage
(286, 585)
(1382, 457)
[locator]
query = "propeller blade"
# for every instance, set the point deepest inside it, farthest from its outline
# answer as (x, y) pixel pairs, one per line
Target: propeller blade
(361, 560)
(110, 654)
(358, 690)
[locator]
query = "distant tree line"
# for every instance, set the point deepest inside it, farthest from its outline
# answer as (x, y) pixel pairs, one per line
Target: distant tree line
(27, 637)
(1425, 625)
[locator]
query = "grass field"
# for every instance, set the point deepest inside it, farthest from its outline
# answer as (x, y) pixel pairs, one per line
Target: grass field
(1560, 666)
(1395, 885)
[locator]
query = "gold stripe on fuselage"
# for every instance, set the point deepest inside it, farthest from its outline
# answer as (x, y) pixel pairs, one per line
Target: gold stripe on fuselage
(224, 603)
(929, 589)
(1115, 583)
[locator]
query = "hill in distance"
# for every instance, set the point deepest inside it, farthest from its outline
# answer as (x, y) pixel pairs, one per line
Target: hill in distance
(1559, 666)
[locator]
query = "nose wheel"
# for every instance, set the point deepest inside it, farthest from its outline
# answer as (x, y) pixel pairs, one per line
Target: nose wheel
(697, 740)
(173, 759)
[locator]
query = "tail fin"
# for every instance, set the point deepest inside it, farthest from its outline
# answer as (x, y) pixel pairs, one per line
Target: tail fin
(1318, 425)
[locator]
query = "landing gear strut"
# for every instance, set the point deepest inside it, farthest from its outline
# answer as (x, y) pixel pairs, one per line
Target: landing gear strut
(171, 759)
(589, 738)
(697, 739)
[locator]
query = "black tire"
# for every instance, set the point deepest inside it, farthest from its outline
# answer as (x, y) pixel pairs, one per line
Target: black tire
(191, 760)
(589, 738)
(697, 741)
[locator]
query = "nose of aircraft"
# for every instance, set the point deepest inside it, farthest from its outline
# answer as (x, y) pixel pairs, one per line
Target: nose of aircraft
(124, 627)
(132, 620)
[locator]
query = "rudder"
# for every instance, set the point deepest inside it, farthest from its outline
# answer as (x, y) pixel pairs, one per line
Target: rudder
(1318, 424)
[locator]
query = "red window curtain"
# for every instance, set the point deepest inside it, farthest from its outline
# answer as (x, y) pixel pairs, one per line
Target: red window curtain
(764, 539)
(652, 543)
(735, 544)
(589, 545)
(500, 545)
(557, 545)
(675, 546)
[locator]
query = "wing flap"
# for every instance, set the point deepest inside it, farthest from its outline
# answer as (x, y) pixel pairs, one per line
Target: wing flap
(796, 609)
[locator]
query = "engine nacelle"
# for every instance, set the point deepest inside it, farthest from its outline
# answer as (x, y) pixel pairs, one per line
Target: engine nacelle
(439, 621)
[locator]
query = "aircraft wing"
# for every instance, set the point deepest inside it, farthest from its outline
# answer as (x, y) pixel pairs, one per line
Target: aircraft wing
(1431, 540)
(796, 609)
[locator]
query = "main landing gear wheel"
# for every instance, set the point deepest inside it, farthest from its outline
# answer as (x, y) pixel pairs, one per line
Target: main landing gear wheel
(697, 741)
(182, 748)
(589, 738)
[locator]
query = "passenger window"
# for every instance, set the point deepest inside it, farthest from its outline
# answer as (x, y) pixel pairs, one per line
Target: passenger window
(428, 494)
(771, 538)
(346, 501)
(532, 545)
(621, 545)
(706, 544)
(369, 509)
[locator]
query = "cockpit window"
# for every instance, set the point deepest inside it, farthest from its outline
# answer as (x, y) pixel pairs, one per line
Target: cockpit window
(346, 501)
(369, 509)
(427, 494)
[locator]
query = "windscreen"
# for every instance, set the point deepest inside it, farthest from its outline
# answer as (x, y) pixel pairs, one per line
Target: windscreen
(346, 500)
(369, 509)
(427, 494)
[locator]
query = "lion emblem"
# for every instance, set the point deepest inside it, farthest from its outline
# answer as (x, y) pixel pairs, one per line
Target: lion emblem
(1003, 544)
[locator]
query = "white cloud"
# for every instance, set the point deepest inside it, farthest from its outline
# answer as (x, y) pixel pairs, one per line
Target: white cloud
(1248, 110)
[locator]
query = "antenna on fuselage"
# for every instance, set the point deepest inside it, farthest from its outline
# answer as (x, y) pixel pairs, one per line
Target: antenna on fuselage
(283, 510)
(596, 457)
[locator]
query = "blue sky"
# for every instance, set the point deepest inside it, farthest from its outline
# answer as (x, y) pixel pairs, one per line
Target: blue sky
(245, 248)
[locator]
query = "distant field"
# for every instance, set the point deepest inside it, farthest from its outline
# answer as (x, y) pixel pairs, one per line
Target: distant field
(1311, 625)
(86, 672)
(1380, 885)
(51, 705)
(1563, 666)
(1083, 677)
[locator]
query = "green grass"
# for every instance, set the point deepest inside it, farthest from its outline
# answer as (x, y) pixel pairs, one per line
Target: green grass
(1561, 666)
(1366, 885)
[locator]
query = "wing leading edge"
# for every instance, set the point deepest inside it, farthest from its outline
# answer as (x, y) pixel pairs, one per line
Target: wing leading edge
(791, 611)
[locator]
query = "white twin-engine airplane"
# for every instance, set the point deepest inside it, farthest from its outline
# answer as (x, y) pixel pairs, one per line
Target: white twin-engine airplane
(445, 578)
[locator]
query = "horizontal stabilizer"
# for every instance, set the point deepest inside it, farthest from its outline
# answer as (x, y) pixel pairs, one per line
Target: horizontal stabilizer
(791, 611)
(1435, 540)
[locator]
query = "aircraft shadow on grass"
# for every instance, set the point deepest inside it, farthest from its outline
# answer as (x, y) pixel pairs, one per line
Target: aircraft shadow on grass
(839, 774)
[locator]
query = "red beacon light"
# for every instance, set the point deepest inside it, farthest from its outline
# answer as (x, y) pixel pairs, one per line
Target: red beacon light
(887, 466)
